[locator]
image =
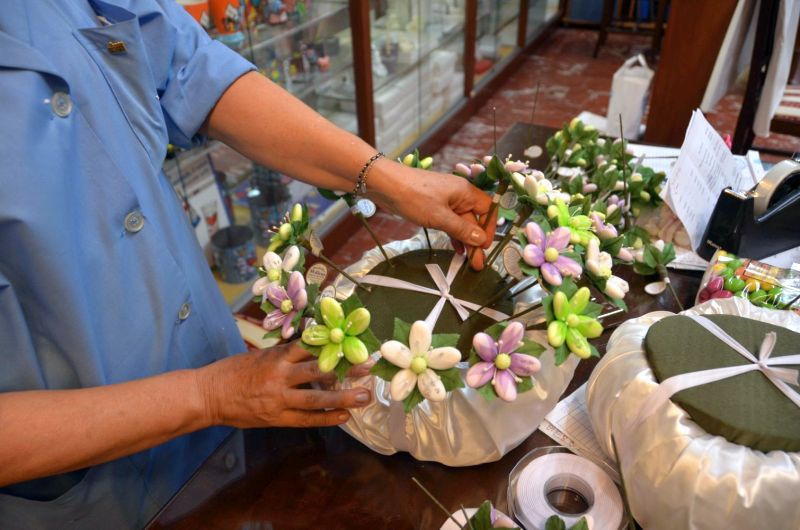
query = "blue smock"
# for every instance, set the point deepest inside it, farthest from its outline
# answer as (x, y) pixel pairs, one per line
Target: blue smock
(101, 277)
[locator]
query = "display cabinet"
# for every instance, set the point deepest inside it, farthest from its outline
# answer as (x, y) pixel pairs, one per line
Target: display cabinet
(398, 73)
(417, 68)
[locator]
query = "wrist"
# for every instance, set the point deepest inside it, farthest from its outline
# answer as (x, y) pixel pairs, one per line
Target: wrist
(203, 396)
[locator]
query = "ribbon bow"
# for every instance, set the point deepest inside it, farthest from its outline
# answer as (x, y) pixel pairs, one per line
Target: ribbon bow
(442, 283)
(780, 377)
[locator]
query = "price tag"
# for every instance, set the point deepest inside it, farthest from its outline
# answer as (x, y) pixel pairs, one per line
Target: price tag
(316, 273)
(509, 200)
(316, 244)
(511, 257)
(365, 207)
(329, 291)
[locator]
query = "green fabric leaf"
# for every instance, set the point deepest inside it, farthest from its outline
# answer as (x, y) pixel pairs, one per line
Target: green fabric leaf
(402, 331)
(594, 351)
(568, 287)
(351, 304)
(561, 354)
(444, 339)
(651, 256)
(313, 350)
(328, 194)
(668, 255)
(547, 304)
(451, 379)
(619, 302)
(555, 522)
(495, 330)
(522, 238)
(413, 399)
(506, 213)
(528, 270)
(482, 519)
(384, 369)
(496, 171)
(644, 270)
(593, 309)
(524, 385)
(370, 341)
(274, 334)
(530, 347)
(487, 391)
(342, 367)
(318, 313)
(312, 290)
(580, 525)
(613, 245)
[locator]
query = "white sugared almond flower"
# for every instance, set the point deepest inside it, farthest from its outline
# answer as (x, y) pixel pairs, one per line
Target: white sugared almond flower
(418, 362)
(274, 265)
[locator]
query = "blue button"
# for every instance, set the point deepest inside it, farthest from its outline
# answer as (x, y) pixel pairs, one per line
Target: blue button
(134, 221)
(61, 104)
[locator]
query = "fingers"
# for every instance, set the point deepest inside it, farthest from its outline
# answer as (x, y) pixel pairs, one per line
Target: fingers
(308, 371)
(491, 227)
(360, 370)
(464, 228)
(304, 418)
(478, 200)
(294, 352)
(306, 399)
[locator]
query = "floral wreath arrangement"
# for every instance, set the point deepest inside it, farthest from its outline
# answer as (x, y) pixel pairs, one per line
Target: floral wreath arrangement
(569, 226)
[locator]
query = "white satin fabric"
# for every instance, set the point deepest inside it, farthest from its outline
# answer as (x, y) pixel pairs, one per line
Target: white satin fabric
(677, 476)
(464, 429)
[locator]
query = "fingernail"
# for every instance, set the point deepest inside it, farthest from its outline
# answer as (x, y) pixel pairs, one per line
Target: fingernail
(344, 416)
(477, 237)
(362, 397)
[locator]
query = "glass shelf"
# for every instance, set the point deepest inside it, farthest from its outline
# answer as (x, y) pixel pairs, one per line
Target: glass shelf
(497, 36)
(417, 68)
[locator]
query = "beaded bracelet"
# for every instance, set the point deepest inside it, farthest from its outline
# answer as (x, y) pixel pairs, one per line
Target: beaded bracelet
(361, 181)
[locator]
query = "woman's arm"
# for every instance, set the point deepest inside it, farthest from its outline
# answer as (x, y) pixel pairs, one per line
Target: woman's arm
(45, 432)
(270, 126)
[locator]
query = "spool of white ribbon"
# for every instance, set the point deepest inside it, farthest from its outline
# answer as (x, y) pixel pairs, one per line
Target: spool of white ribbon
(566, 471)
(780, 377)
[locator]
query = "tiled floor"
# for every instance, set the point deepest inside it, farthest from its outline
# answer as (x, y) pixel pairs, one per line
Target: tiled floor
(570, 82)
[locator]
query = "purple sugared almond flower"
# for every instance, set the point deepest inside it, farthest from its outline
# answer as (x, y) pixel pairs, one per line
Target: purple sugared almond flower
(500, 364)
(545, 252)
(287, 303)
(601, 228)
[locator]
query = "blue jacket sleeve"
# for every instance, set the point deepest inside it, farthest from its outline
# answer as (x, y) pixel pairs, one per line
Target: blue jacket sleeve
(191, 70)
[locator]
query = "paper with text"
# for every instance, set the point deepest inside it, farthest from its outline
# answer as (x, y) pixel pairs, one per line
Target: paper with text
(569, 425)
(705, 167)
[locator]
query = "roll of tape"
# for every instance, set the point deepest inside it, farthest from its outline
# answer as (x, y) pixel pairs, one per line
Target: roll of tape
(540, 477)
(762, 195)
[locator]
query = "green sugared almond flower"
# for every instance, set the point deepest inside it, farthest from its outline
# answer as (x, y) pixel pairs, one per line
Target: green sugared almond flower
(570, 325)
(338, 335)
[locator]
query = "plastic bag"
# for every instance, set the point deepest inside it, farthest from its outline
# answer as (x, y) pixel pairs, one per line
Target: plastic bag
(629, 90)
(763, 285)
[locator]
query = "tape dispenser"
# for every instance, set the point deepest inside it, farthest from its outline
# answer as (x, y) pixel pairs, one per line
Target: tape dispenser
(762, 222)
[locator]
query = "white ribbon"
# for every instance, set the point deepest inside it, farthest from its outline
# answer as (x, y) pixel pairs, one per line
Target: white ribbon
(780, 377)
(443, 283)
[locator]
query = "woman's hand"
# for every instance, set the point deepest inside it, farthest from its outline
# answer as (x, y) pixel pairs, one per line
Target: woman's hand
(435, 200)
(261, 390)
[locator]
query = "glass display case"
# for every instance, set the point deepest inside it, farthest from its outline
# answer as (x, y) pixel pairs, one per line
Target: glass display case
(417, 68)
(497, 27)
(540, 12)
